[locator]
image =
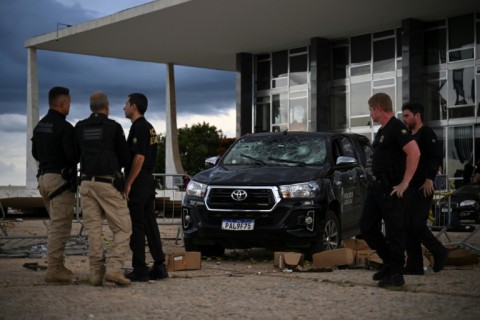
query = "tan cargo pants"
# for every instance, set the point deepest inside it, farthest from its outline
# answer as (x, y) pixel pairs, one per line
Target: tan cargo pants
(99, 201)
(60, 211)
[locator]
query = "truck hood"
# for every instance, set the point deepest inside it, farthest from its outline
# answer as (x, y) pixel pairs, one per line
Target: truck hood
(260, 175)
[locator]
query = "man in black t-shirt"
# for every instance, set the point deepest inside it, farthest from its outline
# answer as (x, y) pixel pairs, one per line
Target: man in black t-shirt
(422, 194)
(395, 159)
(53, 146)
(140, 192)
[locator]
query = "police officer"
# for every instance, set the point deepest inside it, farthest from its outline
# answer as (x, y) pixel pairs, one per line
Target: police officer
(54, 148)
(395, 159)
(140, 191)
(422, 194)
(104, 152)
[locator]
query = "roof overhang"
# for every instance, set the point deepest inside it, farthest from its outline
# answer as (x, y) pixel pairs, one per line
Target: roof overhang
(209, 33)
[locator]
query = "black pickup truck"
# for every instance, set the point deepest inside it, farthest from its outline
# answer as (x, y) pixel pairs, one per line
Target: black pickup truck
(301, 191)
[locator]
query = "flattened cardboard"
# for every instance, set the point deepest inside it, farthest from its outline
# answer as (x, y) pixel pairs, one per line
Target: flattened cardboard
(291, 260)
(178, 261)
(333, 258)
(356, 244)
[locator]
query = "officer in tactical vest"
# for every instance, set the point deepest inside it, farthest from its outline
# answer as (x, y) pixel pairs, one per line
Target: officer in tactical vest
(104, 153)
(53, 146)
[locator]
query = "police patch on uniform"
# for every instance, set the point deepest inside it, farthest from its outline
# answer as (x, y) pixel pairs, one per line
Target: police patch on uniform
(404, 131)
(382, 138)
(134, 140)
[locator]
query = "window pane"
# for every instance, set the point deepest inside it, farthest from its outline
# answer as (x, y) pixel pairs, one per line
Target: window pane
(280, 108)
(384, 55)
(280, 64)
(340, 61)
(298, 115)
(399, 42)
(460, 148)
(461, 89)
(359, 95)
(361, 49)
(435, 47)
(435, 97)
(263, 75)
(298, 69)
(478, 40)
(338, 108)
(460, 31)
(262, 115)
(459, 55)
(461, 112)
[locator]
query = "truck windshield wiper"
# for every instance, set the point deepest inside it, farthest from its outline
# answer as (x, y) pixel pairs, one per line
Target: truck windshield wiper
(287, 161)
(257, 161)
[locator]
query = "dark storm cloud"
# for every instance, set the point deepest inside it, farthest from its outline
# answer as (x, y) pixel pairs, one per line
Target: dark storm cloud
(199, 91)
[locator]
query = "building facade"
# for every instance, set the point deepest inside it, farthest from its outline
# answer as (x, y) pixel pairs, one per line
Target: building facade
(324, 85)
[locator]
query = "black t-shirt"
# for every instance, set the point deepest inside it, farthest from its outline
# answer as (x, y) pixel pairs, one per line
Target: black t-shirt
(53, 142)
(389, 159)
(431, 156)
(103, 146)
(143, 140)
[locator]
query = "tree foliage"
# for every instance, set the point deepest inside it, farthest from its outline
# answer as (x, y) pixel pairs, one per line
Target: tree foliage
(195, 143)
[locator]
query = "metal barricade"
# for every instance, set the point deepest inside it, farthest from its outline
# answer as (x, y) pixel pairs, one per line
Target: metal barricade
(445, 220)
(170, 192)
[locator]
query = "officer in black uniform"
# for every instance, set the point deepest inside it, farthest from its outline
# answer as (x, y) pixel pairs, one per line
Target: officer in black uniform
(53, 146)
(104, 153)
(422, 194)
(140, 191)
(395, 159)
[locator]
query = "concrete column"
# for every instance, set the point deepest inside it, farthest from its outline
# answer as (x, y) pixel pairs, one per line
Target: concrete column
(244, 89)
(173, 165)
(32, 115)
(320, 113)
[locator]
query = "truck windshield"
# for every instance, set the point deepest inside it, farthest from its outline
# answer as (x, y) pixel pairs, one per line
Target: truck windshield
(287, 149)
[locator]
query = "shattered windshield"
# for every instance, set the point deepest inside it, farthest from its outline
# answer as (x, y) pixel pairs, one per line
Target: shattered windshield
(290, 150)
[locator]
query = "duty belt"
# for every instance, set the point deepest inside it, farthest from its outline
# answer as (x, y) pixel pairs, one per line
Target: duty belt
(97, 179)
(41, 172)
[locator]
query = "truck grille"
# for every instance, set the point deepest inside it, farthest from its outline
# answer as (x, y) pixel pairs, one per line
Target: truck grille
(261, 199)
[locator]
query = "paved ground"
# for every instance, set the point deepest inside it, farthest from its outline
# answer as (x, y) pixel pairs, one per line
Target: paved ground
(242, 285)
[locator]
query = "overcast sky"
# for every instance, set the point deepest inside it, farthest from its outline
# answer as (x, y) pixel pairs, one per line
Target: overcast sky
(202, 95)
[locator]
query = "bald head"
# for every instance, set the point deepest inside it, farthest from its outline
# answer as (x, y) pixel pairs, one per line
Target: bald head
(99, 102)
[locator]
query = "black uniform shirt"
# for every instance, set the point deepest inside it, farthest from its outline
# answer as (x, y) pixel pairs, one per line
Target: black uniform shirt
(102, 144)
(431, 156)
(142, 139)
(53, 143)
(389, 159)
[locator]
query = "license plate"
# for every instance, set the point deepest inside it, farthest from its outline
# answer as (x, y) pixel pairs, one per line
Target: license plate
(238, 225)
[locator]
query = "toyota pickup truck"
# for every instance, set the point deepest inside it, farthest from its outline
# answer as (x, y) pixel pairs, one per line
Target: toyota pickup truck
(298, 191)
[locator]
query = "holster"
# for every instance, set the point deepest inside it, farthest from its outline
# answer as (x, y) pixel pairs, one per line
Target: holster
(119, 181)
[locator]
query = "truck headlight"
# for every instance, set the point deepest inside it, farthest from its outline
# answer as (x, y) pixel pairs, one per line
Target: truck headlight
(300, 190)
(196, 189)
(467, 203)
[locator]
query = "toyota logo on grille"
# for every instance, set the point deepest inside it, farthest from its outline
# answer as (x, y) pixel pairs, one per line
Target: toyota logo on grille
(239, 195)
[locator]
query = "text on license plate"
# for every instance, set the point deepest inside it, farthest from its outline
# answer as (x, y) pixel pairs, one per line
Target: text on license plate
(238, 225)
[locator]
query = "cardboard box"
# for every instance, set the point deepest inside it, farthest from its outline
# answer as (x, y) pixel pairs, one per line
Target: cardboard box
(356, 244)
(333, 258)
(362, 256)
(290, 260)
(178, 261)
(375, 260)
(461, 257)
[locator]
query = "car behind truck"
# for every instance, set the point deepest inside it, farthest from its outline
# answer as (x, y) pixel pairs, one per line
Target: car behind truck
(299, 191)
